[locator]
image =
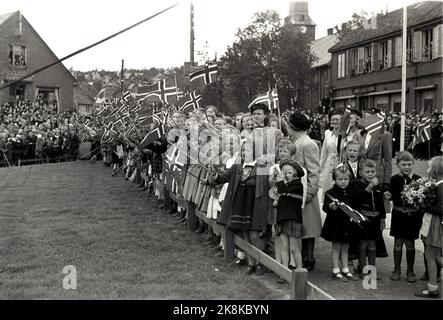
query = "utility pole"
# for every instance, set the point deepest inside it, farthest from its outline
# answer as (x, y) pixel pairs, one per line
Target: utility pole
(121, 77)
(191, 55)
(216, 85)
(403, 82)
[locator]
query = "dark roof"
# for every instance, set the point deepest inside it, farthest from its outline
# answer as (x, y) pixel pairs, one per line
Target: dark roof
(418, 14)
(320, 49)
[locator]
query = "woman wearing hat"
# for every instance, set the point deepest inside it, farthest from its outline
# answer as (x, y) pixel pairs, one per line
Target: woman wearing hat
(309, 158)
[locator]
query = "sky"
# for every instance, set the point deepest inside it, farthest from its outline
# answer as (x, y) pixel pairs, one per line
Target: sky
(163, 41)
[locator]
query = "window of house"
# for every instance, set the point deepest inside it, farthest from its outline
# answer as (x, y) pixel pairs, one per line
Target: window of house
(341, 65)
(17, 56)
(427, 45)
(383, 55)
(409, 48)
(367, 63)
(427, 101)
(353, 61)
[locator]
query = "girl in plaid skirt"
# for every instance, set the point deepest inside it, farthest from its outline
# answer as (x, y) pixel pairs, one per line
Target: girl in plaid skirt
(289, 211)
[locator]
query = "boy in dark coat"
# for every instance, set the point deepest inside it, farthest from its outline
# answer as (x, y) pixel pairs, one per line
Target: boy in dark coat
(368, 200)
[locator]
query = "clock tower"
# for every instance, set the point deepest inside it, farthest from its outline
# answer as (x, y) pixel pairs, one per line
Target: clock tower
(299, 19)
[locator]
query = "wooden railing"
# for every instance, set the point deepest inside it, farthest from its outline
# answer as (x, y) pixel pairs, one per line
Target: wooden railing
(297, 279)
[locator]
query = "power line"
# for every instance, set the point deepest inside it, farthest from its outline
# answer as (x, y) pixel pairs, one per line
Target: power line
(85, 48)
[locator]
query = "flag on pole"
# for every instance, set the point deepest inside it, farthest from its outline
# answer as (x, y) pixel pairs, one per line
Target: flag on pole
(270, 99)
(192, 104)
(353, 214)
(165, 90)
(203, 75)
(373, 123)
(423, 132)
(154, 134)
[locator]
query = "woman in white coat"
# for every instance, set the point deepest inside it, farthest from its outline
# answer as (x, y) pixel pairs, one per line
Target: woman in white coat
(329, 155)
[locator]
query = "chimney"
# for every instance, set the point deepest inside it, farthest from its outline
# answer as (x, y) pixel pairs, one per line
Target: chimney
(18, 31)
(330, 31)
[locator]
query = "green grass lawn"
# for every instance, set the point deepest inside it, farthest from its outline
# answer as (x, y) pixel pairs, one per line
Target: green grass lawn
(77, 214)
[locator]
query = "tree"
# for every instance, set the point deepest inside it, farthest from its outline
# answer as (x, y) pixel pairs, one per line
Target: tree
(265, 54)
(355, 23)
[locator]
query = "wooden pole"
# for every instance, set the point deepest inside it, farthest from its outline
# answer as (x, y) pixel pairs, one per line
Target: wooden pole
(299, 284)
(229, 245)
(403, 82)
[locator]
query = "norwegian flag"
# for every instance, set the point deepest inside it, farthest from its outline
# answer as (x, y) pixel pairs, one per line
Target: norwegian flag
(423, 132)
(105, 110)
(373, 123)
(270, 99)
(145, 120)
(153, 135)
(353, 214)
(203, 75)
(165, 90)
(192, 104)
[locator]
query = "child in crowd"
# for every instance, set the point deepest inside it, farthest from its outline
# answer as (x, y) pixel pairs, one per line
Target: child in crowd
(368, 200)
(289, 212)
(285, 150)
(434, 235)
(248, 125)
(405, 219)
(352, 154)
(338, 227)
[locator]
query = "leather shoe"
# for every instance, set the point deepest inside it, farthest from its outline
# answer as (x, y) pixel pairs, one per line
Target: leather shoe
(260, 270)
(240, 262)
(310, 265)
(427, 294)
(250, 270)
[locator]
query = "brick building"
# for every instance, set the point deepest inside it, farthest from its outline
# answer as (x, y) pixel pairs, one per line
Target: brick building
(22, 51)
(366, 63)
(320, 81)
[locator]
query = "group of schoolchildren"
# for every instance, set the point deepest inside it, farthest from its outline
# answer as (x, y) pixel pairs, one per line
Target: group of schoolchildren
(355, 184)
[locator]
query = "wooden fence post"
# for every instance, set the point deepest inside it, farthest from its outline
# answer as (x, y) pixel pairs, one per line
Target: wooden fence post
(229, 245)
(299, 284)
(192, 218)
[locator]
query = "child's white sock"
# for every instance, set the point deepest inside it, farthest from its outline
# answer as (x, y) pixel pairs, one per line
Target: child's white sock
(432, 288)
(241, 255)
(345, 270)
(336, 270)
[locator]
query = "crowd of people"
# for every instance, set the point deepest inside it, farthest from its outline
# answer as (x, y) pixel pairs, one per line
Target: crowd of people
(274, 197)
(267, 179)
(34, 132)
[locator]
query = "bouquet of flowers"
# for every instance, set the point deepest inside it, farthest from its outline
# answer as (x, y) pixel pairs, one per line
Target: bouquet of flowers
(420, 193)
